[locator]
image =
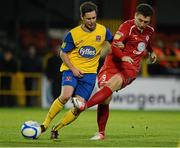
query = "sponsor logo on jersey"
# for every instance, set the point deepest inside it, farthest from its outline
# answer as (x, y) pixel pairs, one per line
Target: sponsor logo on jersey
(87, 51)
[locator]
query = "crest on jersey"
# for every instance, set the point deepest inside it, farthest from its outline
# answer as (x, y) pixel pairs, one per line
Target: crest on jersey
(118, 35)
(98, 38)
(141, 46)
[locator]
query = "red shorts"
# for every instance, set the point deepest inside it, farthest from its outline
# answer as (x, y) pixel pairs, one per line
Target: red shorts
(128, 75)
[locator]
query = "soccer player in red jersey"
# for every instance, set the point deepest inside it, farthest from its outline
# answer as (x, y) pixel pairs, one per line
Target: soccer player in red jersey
(122, 65)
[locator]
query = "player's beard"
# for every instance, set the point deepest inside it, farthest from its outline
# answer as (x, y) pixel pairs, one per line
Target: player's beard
(90, 28)
(138, 26)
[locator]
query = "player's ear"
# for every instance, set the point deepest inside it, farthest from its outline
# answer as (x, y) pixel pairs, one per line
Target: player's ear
(81, 17)
(135, 15)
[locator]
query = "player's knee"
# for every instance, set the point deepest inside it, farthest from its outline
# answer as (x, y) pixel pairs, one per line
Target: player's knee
(113, 86)
(64, 98)
(118, 81)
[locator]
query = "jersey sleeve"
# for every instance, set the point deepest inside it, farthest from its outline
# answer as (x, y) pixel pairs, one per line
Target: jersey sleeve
(149, 47)
(68, 43)
(109, 36)
(119, 37)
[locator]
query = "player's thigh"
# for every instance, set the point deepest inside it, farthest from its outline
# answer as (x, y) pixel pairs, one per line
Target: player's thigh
(69, 83)
(67, 91)
(111, 78)
(104, 76)
(115, 82)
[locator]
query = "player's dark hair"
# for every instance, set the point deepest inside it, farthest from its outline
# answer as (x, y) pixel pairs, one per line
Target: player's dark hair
(145, 9)
(87, 7)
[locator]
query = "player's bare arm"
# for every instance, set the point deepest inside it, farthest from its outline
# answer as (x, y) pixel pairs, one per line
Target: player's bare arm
(119, 44)
(66, 60)
(105, 49)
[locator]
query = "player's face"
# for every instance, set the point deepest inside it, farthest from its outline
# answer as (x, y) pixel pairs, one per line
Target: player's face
(141, 21)
(89, 20)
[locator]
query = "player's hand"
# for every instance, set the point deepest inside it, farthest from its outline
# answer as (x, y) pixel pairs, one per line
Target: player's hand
(127, 59)
(153, 57)
(77, 73)
(118, 44)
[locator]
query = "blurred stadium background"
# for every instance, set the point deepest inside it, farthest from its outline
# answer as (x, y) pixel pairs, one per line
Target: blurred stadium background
(31, 31)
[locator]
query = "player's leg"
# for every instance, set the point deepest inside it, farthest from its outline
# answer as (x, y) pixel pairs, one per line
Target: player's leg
(103, 108)
(102, 118)
(113, 84)
(82, 92)
(69, 117)
(102, 115)
(58, 104)
(111, 80)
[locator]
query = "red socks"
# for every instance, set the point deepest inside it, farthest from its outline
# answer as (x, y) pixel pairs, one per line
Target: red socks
(99, 97)
(102, 117)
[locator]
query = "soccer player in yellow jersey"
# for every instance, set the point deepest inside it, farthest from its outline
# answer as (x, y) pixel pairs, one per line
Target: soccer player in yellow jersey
(80, 53)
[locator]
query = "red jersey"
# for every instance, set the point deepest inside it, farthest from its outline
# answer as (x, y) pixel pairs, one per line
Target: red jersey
(136, 44)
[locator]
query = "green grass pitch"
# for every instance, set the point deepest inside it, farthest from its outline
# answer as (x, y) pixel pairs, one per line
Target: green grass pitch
(124, 129)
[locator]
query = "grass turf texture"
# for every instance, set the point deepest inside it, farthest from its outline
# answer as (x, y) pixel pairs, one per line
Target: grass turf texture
(124, 129)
